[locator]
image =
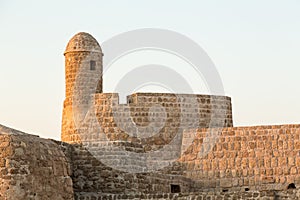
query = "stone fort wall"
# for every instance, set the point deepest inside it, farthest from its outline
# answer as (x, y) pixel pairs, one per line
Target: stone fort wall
(170, 113)
(121, 124)
(33, 168)
(159, 115)
(243, 159)
(245, 163)
(213, 159)
(251, 158)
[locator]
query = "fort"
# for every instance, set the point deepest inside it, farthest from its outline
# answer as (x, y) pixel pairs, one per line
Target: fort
(156, 146)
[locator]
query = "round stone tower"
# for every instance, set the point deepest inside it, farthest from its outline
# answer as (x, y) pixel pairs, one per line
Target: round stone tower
(83, 76)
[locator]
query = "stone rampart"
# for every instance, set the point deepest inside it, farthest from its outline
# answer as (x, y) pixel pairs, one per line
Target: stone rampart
(152, 119)
(244, 158)
(33, 168)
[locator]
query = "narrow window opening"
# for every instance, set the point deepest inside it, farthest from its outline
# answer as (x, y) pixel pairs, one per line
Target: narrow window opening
(291, 186)
(92, 65)
(225, 190)
(247, 189)
(129, 100)
(175, 188)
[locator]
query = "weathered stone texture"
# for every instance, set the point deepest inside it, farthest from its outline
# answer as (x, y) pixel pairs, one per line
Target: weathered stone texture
(90, 175)
(122, 123)
(258, 158)
(81, 79)
(154, 117)
(221, 158)
(244, 158)
(166, 113)
(212, 159)
(32, 168)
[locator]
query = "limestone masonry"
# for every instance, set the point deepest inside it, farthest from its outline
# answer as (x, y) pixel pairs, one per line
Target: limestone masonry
(156, 146)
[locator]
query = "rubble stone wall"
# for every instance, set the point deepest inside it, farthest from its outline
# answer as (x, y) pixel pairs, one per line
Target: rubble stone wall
(162, 116)
(254, 158)
(92, 176)
(158, 115)
(240, 162)
(33, 168)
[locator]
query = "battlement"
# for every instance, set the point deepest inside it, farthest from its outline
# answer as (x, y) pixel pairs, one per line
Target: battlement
(141, 97)
(160, 115)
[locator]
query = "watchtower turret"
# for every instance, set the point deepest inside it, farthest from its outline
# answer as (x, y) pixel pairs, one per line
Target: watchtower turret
(83, 74)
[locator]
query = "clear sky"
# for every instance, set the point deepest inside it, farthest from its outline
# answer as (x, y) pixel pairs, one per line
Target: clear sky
(255, 46)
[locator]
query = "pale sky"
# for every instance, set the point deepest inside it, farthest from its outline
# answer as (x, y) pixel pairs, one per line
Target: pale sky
(254, 45)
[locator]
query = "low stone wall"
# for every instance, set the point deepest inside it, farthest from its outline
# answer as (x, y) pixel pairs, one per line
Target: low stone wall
(254, 158)
(91, 176)
(33, 168)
